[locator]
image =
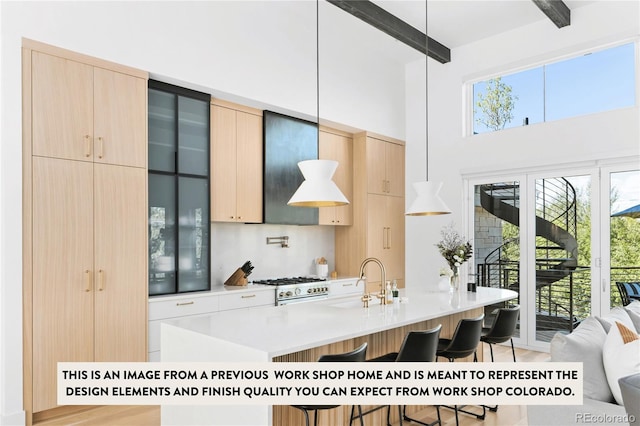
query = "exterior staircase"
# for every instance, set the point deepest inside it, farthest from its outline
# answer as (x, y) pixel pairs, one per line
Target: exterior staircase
(556, 247)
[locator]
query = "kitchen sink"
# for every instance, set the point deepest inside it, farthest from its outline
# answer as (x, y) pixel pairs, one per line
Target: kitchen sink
(348, 304)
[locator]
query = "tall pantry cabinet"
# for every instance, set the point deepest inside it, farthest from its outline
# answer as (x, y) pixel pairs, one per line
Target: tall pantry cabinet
(378, 211)
(84, 216)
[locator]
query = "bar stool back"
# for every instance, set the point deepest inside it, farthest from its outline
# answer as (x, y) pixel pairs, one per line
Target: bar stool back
(464, 342)
(357, 355)
(417, 346)
(502, 329)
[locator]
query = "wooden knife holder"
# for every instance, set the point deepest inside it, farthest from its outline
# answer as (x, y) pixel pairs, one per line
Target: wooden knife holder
(237, 278)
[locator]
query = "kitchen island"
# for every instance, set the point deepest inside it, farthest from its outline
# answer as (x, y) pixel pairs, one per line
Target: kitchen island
(303, 332)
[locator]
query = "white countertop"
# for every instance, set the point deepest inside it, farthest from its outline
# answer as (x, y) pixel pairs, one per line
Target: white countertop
(279, 330)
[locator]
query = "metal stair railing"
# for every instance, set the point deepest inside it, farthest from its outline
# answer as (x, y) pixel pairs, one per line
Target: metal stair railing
(556, 229)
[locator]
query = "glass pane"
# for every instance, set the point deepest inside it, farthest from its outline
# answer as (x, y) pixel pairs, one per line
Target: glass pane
(193, 129)
(194, 234)
(625, 232)
(162, 234)
(496, 240)
(596, 82)
(563, 254)
(509, 101)
(162, 131)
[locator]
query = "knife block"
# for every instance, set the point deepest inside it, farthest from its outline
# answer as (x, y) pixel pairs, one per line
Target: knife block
(237, 278)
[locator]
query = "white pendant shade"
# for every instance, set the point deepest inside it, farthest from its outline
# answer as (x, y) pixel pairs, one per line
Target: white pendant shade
(318, 190)
(428, 202)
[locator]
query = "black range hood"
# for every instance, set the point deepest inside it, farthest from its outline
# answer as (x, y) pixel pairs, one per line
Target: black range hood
(287, 140)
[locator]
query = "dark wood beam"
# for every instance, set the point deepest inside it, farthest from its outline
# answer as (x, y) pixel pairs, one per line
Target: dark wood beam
(556, 10)
(379, 18)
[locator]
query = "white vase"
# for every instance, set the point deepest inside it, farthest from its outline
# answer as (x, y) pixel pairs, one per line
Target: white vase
(443, 284)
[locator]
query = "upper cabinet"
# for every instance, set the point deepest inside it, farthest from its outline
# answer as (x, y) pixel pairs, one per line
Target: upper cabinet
(87, 113)
(236, 163)
(378, 211)
(385, 166)
(179, 237)
(338, 146)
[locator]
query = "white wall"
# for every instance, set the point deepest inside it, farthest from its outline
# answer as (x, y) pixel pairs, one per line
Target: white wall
(597, 136)
(261, 52)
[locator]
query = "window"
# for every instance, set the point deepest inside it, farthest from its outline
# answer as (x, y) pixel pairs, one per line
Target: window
(595, 82)
(178, 190)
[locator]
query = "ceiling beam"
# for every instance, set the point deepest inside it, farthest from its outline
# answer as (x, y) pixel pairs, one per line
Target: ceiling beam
(379, 18)
(555, 10)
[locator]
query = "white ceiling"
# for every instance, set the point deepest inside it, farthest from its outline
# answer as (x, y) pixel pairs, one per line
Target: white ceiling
(458, 22)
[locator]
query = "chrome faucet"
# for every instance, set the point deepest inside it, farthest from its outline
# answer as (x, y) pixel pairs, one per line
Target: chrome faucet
(383, 291)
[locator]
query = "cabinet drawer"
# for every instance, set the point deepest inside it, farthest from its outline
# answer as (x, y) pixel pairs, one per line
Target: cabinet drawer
(174, 307)
(344, 287)
(247, 299)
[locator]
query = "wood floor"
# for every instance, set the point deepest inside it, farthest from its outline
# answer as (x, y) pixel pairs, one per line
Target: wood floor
(135, 415)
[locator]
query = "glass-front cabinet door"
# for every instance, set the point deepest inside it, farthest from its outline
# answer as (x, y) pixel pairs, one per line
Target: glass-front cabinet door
(178, 189)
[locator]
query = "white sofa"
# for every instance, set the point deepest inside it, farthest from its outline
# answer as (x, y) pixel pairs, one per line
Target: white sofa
(585, 344)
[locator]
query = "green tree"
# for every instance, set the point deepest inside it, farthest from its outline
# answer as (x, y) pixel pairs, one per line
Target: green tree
(496, 105)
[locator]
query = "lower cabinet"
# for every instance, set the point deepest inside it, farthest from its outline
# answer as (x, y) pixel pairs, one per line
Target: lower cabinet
(165, 308)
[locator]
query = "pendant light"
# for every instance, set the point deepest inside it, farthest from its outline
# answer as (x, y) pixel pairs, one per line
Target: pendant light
(428, 202)
(317, 189)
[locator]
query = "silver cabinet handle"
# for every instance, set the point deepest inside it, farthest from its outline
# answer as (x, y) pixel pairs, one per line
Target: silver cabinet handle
(248, 296)
(184, 303)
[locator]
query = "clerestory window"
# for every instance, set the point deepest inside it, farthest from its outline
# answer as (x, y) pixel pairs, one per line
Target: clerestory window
(594, 82)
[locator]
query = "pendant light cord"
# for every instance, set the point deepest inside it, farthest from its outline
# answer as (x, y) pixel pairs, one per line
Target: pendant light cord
(318, 69)
(426, 90)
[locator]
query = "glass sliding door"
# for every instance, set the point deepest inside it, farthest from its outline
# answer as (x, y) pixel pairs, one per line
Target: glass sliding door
(621, 219)
(496, 239)
(562, 240)
(562, 254)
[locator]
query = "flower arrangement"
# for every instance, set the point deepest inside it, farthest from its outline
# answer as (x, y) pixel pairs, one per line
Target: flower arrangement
(454, 248)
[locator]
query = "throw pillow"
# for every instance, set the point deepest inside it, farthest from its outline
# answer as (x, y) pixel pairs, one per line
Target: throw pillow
(635, 319)
(584, 345)
(616, 314)
(621, 356)
(633, 307)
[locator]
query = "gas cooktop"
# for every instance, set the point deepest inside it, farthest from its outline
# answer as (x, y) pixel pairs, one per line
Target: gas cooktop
(292, 280)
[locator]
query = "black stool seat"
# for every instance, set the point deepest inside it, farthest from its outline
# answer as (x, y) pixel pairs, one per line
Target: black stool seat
(357, 355)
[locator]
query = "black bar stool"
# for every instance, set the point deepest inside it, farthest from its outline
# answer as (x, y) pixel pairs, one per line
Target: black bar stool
(357, 355)
(502, 329)
(417, 346)
(464, 342)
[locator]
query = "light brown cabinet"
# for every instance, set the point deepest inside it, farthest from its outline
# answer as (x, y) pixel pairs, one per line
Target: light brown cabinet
(84, 216)
(80, 113)
(236, 163)
(338, 146)
(385, 167)
(378, 213)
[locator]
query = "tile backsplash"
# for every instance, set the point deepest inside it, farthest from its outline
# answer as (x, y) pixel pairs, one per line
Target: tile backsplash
(232, 244)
